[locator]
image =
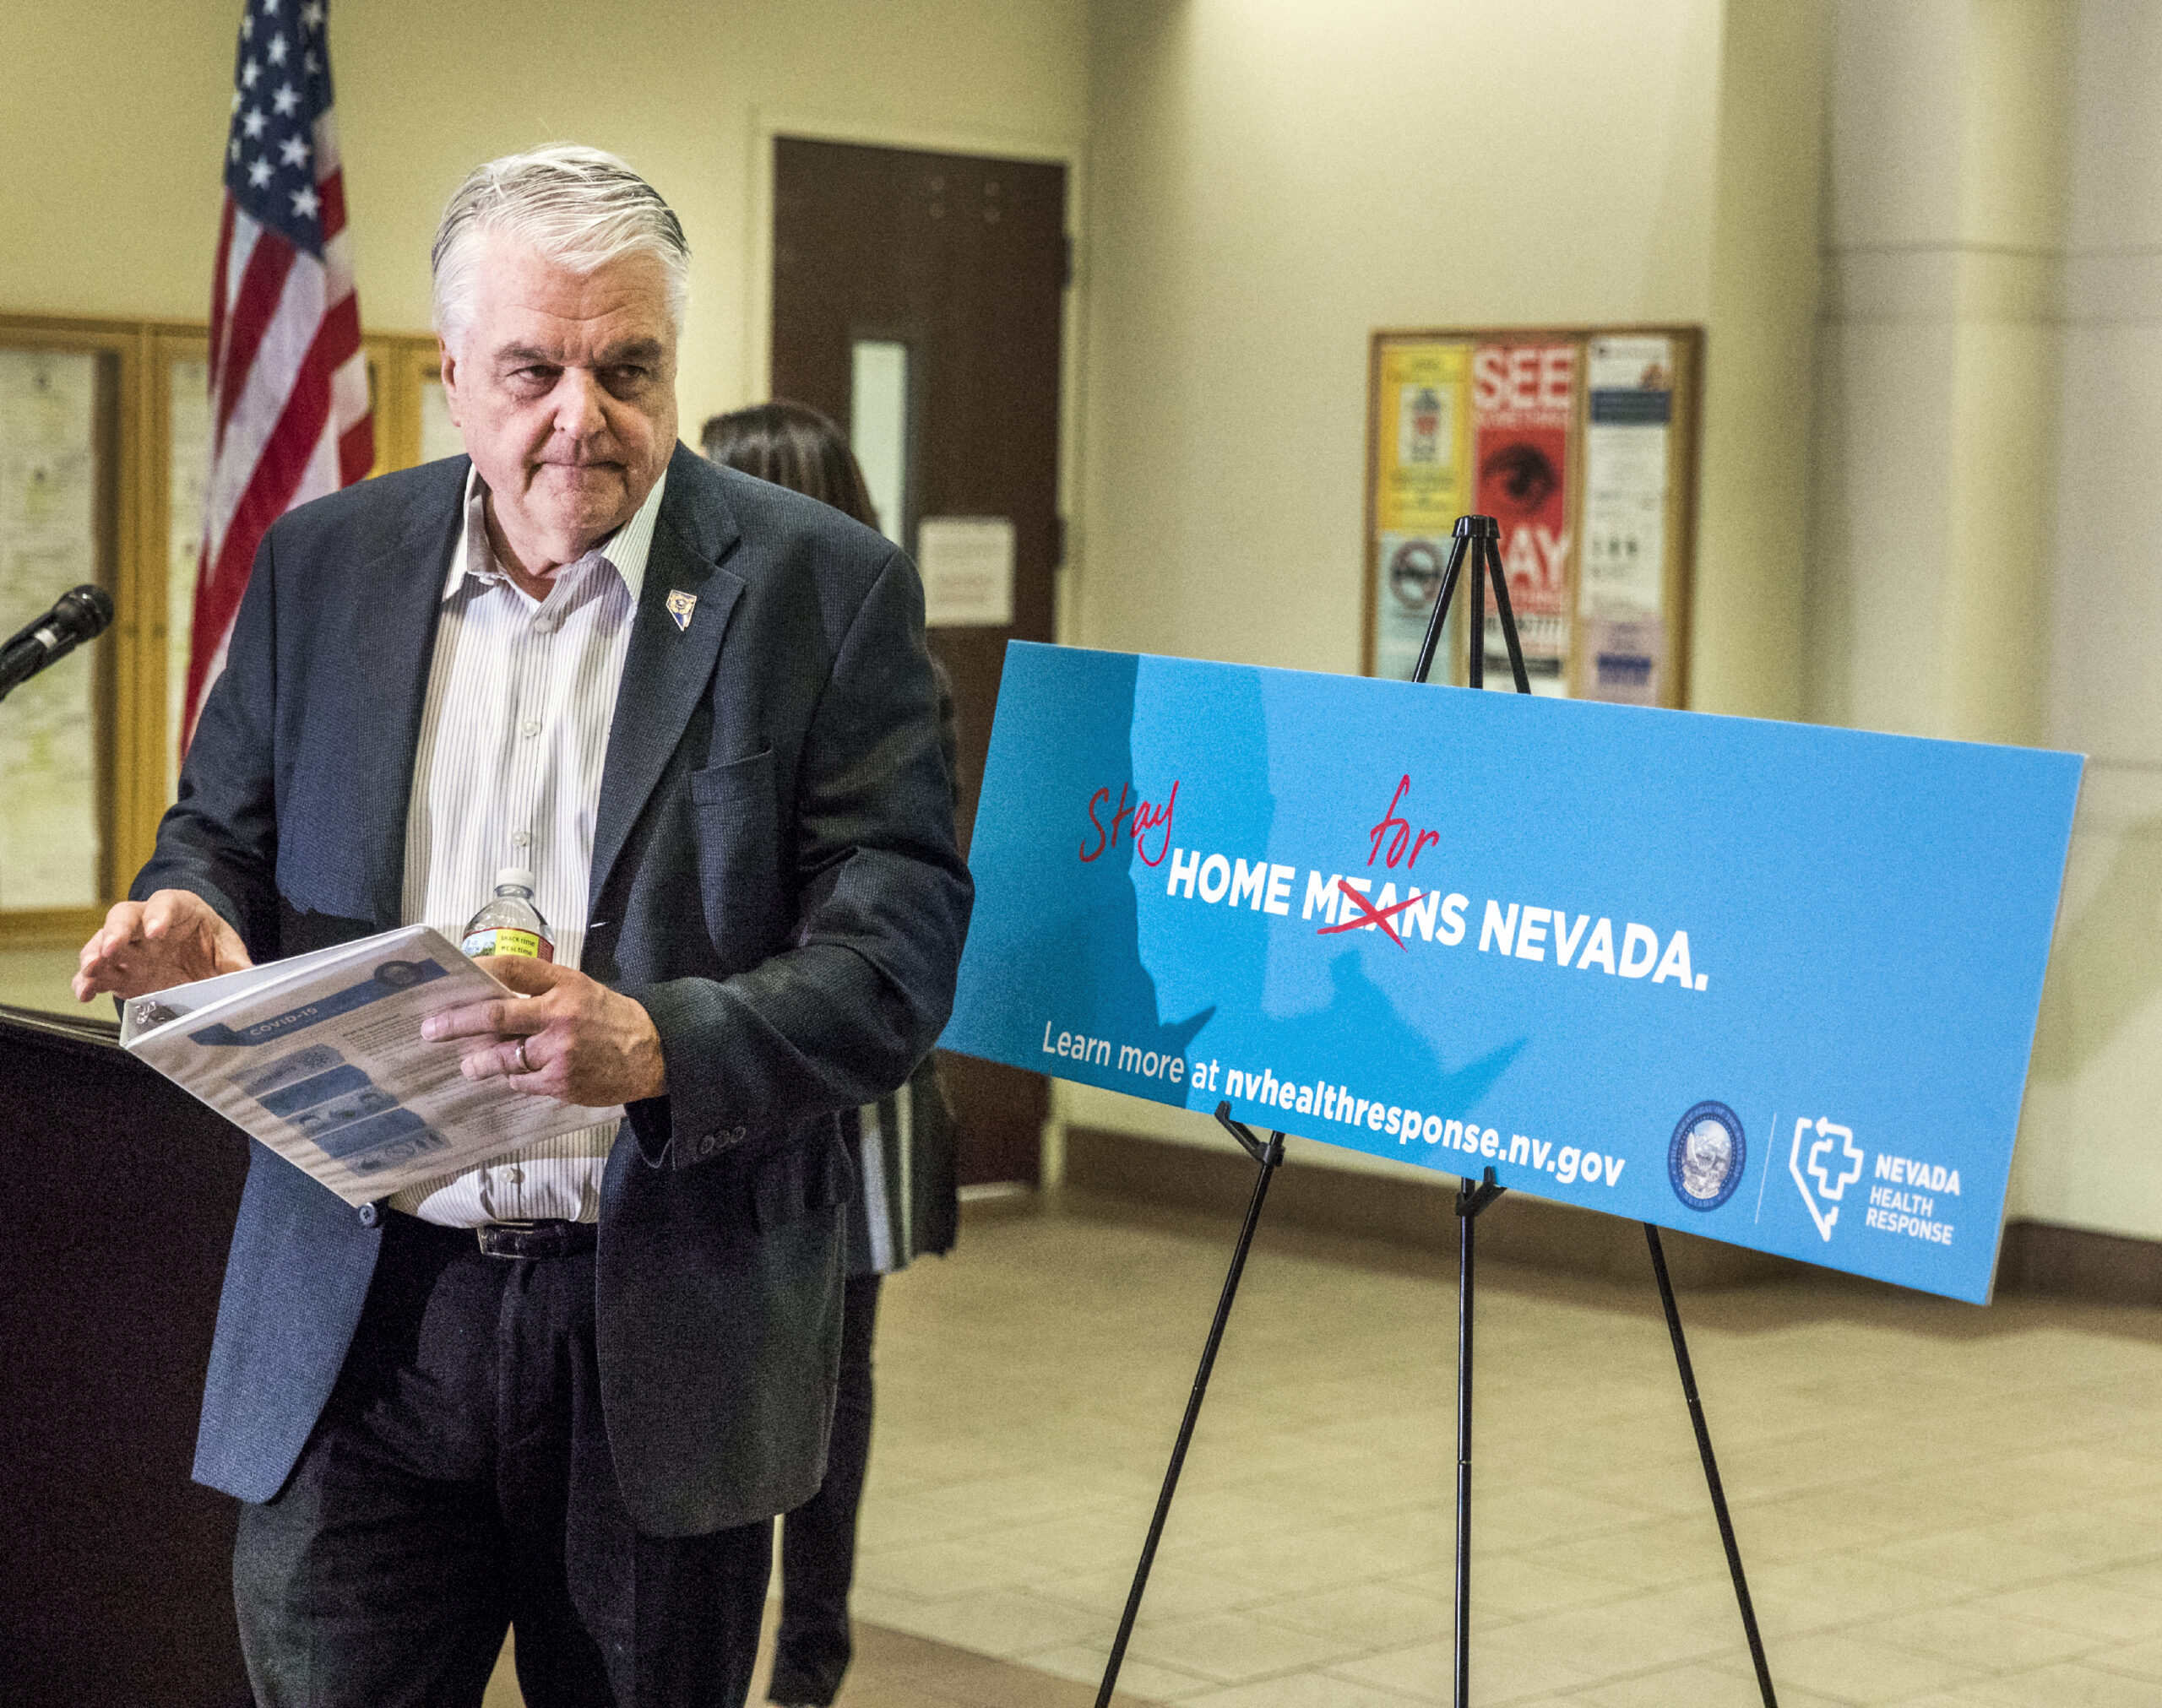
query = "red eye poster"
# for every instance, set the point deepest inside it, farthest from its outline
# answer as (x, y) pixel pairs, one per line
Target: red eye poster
(1523, 404)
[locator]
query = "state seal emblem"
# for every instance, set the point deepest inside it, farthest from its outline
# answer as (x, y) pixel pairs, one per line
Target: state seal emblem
(1707, 1156)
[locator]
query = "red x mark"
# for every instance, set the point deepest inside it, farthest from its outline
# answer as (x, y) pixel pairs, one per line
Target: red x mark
(1373, 916)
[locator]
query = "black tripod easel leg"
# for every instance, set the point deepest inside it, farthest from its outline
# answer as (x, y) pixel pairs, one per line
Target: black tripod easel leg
(1267, 1158)
(1470, 1199)
(1711, 1467)
(1478, 537)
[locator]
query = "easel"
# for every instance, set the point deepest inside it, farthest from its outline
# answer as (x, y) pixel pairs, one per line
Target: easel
(1477, 537)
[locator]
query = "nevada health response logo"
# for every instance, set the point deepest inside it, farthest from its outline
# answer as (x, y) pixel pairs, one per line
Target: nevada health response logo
(1705, 1159)
(1824, 1161)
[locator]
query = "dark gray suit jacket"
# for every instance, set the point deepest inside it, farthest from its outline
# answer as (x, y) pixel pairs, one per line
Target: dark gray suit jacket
(773, 877)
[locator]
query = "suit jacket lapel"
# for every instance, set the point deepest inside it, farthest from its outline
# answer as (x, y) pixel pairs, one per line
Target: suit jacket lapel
(402, 596)
(668, 667)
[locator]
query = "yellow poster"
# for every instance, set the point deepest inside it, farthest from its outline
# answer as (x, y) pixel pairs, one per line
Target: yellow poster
(1422, 438)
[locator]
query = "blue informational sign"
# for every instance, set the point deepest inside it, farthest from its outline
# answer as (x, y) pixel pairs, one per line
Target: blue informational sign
(1769, 983)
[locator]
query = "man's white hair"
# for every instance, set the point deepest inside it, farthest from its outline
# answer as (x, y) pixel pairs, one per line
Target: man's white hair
(579, 207)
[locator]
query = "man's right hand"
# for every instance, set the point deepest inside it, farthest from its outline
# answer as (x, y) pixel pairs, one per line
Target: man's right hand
(174, 938)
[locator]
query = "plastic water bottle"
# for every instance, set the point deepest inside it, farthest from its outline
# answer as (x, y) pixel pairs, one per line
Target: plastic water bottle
(510, 924)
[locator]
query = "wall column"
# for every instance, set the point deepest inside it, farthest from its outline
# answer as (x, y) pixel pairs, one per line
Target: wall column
(1753, 508)
(1942, 356)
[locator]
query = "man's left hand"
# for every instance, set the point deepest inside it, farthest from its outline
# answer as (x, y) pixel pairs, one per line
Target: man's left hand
(581, 1043)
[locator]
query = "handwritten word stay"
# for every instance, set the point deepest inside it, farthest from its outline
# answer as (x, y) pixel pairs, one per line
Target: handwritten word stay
(1136, 821)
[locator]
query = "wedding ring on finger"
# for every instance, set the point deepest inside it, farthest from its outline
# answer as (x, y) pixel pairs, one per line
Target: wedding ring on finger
(523, 1066)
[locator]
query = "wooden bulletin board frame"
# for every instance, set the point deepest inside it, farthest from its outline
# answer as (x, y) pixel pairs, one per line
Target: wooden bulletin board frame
(1448, 356)
(134, 524)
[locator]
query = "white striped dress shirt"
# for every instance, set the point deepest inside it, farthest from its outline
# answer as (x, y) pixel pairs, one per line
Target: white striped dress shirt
(514, 733)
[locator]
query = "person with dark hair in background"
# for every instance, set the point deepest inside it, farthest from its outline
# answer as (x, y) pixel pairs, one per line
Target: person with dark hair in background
(906, 1202)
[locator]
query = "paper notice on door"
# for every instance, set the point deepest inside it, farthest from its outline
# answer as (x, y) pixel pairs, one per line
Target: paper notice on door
(967, 565)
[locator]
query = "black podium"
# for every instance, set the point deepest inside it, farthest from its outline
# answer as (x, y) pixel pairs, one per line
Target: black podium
(116, 1202)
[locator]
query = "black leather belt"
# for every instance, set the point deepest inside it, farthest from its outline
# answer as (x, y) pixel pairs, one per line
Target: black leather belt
(526, 1239)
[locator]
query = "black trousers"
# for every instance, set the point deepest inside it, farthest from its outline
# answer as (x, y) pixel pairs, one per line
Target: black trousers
(460, 1482)
(818, 1555)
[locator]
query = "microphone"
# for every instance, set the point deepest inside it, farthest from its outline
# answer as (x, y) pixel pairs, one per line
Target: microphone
(81, 614)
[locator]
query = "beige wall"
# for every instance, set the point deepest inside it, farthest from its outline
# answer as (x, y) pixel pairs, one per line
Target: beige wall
(110, 199)
(1273, 180)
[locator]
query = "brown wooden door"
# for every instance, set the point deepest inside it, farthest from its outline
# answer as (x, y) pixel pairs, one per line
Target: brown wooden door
(961, 262)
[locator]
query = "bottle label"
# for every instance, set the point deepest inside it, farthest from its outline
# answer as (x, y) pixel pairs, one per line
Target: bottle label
(503, 940)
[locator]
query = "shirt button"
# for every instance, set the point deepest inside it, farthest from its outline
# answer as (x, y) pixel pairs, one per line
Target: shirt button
(531, 727)
(517, 1176)
(520, 838)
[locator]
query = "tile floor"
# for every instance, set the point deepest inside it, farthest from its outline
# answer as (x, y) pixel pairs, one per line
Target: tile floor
(1938, 1505)
(895, 1670)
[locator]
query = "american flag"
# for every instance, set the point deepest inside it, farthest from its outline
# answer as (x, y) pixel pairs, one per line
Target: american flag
(289, 388)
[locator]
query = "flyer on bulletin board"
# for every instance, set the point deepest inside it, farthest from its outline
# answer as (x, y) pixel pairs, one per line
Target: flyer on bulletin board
(1422, 483)
(1774, 984)
(1627, 451)
(1523, 399)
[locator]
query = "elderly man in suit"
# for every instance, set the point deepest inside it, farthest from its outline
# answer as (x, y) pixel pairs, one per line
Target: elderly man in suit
(565, 1390)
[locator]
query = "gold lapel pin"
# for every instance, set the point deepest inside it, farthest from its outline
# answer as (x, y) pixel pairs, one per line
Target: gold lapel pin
(679, 607)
